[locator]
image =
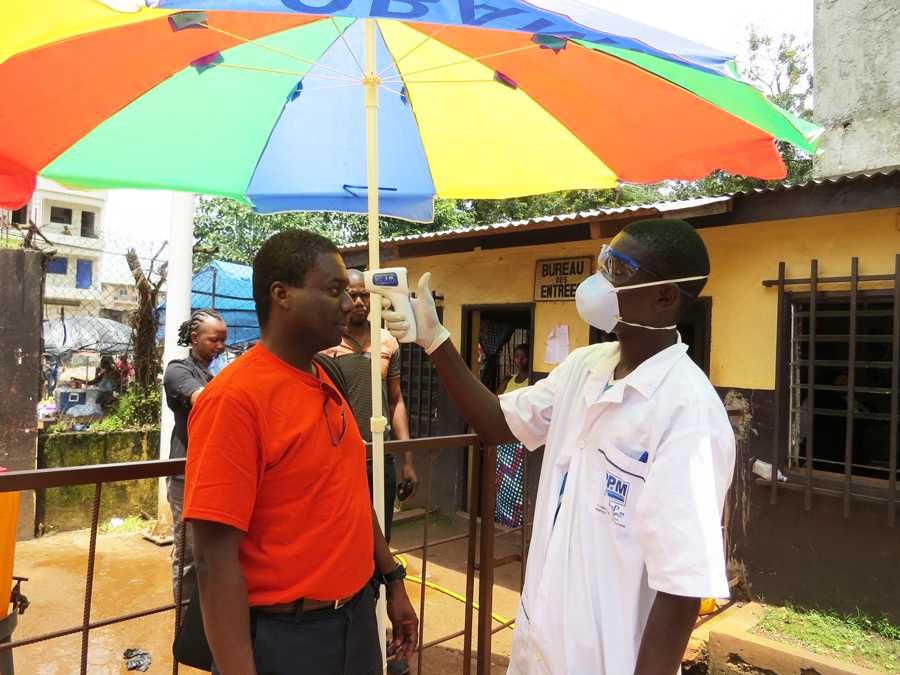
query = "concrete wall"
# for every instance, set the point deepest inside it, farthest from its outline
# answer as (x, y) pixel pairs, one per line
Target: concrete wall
(743, 312)
(818, 558)
(857, 84)
(69, 508)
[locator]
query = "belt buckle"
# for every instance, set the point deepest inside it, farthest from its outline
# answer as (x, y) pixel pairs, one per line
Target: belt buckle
(340, 603)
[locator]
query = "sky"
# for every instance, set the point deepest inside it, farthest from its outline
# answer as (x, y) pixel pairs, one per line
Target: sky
(142, 216)
(718, 23)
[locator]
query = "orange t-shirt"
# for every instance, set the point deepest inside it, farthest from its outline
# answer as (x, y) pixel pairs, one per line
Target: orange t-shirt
(275, 452)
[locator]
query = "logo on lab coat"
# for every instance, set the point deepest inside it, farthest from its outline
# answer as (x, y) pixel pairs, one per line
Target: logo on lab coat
(616, 489)
(617, 496)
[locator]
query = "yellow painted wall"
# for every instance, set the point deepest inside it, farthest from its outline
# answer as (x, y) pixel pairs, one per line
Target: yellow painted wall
(742, 256)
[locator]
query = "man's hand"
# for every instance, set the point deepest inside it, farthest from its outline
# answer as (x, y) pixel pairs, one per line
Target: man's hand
(408, 472)
(430, 334)
(404, 621)
(223, 596)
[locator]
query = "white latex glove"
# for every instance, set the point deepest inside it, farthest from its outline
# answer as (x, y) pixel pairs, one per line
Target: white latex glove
(430, 334)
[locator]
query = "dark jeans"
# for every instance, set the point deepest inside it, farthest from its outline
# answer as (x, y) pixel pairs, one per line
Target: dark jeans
(323, 642)
(175, 493)
(390, 491)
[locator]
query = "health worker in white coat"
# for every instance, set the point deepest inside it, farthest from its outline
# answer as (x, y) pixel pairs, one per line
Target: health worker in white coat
(638, 458)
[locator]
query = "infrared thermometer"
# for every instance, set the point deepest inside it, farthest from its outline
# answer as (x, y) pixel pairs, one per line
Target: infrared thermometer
(391, 283)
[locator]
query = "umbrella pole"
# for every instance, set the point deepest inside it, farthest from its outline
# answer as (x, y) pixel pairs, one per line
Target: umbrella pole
(178, 309)
(378, 421)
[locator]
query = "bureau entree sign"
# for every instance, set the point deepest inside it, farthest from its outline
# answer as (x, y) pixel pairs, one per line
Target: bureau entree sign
(557, 279)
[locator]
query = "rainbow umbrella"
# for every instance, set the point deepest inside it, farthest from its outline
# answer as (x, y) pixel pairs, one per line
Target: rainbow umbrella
(262, 101)
(487, 99)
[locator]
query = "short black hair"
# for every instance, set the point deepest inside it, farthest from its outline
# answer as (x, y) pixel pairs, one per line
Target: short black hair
(523, 348)
(285, 257)
(675, 251)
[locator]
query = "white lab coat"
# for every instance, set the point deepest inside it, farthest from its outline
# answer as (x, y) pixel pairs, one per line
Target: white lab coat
(630, 501)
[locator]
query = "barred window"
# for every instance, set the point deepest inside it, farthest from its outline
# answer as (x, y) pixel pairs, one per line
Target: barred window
(845, 405)
(838, 386)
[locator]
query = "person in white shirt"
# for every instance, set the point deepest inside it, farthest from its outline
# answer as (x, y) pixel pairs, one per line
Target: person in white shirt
(639, 455)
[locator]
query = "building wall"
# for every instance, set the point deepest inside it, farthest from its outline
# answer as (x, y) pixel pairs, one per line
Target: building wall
(788, 554)
(743, 311)
(857, 84)
(61, 290)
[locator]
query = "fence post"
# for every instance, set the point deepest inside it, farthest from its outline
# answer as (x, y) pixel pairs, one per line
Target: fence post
(486, 558)
(21, 281)
(474, 494)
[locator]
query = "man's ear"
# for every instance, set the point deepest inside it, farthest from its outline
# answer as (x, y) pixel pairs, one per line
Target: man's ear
(669, 297)
(279, 294)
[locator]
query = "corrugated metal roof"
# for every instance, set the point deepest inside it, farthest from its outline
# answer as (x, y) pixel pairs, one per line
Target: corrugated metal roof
(832, 180)
(683, 207)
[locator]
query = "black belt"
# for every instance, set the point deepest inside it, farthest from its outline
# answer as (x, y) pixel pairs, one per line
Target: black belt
(304, 605)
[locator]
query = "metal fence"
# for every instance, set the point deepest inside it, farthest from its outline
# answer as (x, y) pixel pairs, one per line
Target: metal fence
(481, 535)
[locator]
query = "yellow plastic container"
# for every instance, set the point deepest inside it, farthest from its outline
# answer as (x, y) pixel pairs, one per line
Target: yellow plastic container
(9, 518)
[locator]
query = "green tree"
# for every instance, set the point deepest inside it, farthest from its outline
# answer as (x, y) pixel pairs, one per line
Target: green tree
(780, 67)
(552, 203)
(234, 232)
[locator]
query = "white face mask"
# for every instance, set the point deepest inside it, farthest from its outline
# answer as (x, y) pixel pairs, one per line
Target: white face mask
(597, 301)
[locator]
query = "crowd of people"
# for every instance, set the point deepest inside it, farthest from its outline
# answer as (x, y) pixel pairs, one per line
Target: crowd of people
(283, 555)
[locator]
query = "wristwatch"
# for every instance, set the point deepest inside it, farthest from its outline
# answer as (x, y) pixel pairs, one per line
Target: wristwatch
(396, 574)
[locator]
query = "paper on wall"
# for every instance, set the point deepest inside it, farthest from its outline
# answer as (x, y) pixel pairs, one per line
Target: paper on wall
(557, 344)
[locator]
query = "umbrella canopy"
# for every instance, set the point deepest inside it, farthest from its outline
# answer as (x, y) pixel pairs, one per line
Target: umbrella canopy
(264, 105)
(85, 333)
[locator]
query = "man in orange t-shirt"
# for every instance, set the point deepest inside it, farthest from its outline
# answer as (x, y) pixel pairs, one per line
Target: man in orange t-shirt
(284, 532)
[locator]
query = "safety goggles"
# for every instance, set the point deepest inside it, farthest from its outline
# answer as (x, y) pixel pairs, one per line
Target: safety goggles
(617, 267)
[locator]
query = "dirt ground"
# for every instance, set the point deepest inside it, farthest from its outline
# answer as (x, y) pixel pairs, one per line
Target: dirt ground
(132, 574)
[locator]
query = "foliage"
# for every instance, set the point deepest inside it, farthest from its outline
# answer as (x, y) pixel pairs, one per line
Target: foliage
(522, 208)
(138, 408)
(235, 232)
(874, 643)
(60, 426)
(126, 525)
(781, 67)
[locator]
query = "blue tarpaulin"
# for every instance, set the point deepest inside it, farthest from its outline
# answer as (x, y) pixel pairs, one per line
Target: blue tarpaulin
(227, 288)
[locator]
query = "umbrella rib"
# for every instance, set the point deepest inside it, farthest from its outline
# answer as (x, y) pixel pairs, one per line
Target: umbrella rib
(276, 50)
(410, 52)
(347, 45)
(475, 59)
(445, 81)
(331, 86)
(292, 73)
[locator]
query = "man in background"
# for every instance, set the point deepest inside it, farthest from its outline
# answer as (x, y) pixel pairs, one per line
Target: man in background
(353, 357)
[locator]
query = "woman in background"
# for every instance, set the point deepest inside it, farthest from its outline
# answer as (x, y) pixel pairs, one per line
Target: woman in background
(510, 506)
(205, 333)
